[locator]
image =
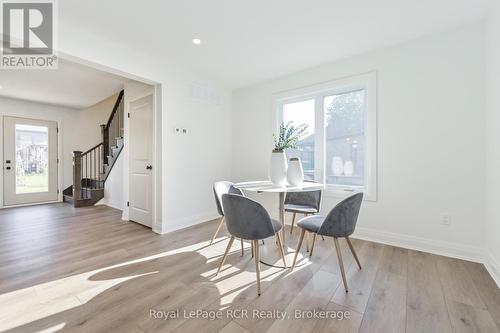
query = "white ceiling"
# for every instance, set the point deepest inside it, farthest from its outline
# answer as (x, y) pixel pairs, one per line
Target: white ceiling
(246, 41)
(71, 85)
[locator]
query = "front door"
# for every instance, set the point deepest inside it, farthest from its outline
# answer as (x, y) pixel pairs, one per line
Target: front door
(29, 161)
(140, 143)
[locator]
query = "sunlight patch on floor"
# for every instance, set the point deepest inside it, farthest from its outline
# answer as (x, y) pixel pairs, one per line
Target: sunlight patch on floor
(26, 305)
(53, 328)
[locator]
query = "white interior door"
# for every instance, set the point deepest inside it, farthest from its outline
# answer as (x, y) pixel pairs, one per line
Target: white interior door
(29, 161)
(140, 145)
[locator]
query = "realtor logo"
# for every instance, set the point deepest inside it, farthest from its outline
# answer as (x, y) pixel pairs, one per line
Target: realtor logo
(28, 35)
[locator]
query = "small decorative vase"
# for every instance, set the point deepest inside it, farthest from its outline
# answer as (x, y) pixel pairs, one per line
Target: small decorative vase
(295, 173)
(277, 170)
(348, 168)
(337, 166)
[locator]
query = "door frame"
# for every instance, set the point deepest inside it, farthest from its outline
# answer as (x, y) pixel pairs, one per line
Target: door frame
(60, 157)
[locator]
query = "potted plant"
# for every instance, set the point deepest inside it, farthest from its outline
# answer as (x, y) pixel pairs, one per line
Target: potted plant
(287, 138)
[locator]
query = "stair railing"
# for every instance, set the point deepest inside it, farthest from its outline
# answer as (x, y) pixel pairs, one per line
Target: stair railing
(88, 167)
(112, 130)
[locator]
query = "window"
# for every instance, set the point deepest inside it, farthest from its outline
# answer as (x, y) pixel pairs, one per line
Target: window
(339, 148)
(32, 159)
(345, 138)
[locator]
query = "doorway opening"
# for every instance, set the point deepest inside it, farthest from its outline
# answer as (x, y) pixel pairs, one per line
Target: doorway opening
(107, 119)
(30, 161)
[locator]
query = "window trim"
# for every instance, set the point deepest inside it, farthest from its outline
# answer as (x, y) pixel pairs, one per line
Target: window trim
(318, 92)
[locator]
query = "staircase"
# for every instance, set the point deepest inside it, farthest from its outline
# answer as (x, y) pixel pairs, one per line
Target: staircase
(92, 168)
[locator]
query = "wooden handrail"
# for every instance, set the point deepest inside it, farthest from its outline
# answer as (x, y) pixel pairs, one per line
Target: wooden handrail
(96, 146)
(115, 108)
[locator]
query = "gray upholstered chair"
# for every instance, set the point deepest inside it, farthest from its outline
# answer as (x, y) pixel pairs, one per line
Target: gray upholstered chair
(221, 188)
(306, 202)
(340, 222)
(247, 219)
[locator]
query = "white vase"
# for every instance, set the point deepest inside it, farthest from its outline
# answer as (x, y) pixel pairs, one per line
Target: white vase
(277, 170)
(295, 173)
(337, 166)
(348, 168)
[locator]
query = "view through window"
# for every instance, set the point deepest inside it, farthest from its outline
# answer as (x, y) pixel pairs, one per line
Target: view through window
(345, 138)
(32, 159)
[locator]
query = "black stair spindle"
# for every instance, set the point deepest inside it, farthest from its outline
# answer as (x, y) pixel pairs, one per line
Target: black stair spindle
(95, 169)
(85, 179)
(87, 173)
(81, 174)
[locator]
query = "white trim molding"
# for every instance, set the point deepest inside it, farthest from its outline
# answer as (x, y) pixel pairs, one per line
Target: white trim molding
(492, 266)
(189, 221)
(433, 246)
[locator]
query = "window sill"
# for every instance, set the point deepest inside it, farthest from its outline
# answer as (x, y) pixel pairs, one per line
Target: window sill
(342, 193)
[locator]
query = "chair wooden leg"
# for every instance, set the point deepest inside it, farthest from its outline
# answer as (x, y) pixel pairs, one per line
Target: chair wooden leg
(280, 245)
(341, 262)
(353, 252)
(218, 228)
(257, 264)
(242, 247)
(299, 244)
(307, 241)
(231, 240)
(293, 222)
(312, 245)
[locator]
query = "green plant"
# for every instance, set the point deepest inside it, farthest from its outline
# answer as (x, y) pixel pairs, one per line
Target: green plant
(288, 136)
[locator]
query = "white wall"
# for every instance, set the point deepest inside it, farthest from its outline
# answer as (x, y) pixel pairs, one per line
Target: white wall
(114, 190)
(493, 143)
(90, 120)
(189, 164)
(193, 162)
(431, 151)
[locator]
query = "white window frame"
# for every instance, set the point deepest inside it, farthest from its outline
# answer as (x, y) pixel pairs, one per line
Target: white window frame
(318, 92)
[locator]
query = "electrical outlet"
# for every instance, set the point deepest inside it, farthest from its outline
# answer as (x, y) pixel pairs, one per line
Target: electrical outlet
(445, 219)
(177, 131)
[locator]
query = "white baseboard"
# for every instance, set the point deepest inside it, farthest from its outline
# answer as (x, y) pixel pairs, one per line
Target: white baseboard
(442, 248)
(493, 267)
(30, 204)
(186, 222)
(114, 205)
(103, 202)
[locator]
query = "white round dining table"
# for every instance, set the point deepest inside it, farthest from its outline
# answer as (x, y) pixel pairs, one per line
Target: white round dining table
(269, 187)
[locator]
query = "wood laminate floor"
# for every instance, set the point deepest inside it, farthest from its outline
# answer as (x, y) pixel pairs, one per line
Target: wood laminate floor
(85, 270)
